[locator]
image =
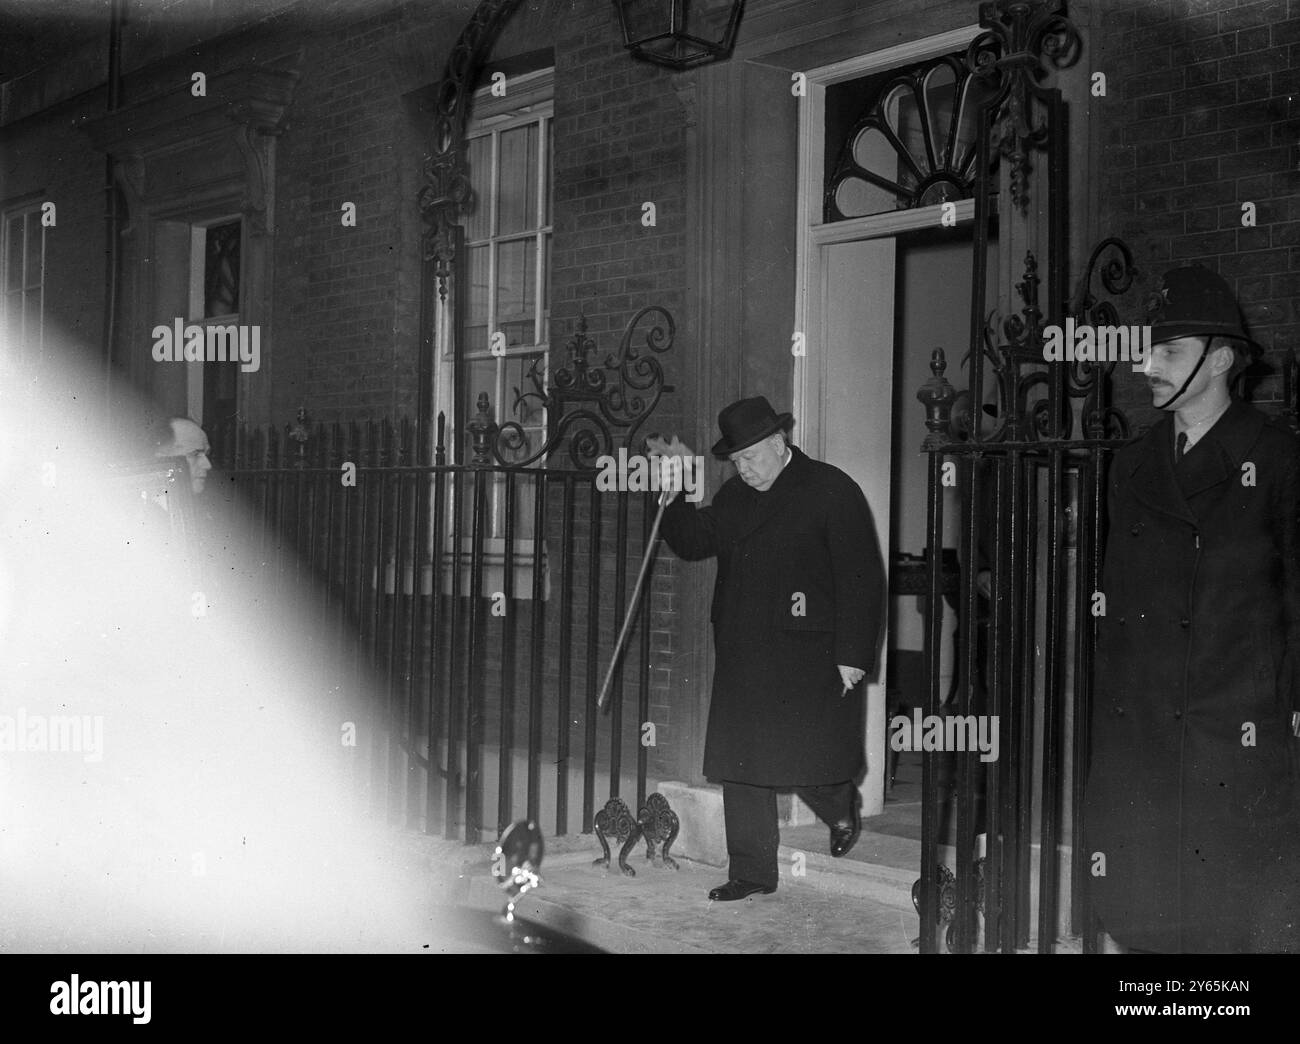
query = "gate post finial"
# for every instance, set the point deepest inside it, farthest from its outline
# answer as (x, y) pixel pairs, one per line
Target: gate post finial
(482, 430)
(300, 433)
(937, 395)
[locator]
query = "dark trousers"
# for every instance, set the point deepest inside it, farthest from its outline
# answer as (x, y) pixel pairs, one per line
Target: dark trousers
(752, 835)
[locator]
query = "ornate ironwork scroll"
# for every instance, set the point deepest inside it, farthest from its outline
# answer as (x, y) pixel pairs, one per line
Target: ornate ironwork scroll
(447, 191)
(592, 403)
(1016, 343)
(616, 820)
(655, 823)
(1007, 56)
(1090, 380)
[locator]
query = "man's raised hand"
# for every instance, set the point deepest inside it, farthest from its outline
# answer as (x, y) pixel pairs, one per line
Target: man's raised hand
(670, 456)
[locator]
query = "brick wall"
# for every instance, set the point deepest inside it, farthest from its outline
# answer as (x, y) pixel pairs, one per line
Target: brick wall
(620, 142)
(1202, 115)
(50, 158)
(345, 337)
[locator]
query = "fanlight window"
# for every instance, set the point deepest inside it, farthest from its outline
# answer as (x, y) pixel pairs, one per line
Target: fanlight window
(913, 145)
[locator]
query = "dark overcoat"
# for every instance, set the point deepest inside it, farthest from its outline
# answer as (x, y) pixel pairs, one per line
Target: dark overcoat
(1191, 809)
(800, 589)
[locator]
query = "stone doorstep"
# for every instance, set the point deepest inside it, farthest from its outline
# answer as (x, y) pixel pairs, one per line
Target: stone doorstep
(587, 914)
(882, 884)
(589, 920)
(597, 924)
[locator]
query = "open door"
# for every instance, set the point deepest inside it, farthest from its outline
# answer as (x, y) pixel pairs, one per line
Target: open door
(857, 338)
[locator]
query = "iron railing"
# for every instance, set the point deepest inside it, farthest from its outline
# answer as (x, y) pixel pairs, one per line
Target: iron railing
(1030, 498)
(481, 600)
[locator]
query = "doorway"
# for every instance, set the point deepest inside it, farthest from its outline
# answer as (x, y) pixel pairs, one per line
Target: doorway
(886, 301)
(884, 260)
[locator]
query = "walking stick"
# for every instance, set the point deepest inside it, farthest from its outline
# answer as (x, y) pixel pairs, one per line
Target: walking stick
(636, 596)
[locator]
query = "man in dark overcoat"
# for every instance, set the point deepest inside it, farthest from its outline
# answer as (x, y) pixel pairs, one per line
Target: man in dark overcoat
(1191, 797)
(798, 606)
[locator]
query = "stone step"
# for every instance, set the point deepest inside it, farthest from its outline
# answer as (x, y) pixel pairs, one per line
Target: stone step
(665, 911)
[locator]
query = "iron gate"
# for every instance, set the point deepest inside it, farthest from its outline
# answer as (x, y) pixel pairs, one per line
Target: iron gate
(1030, 512)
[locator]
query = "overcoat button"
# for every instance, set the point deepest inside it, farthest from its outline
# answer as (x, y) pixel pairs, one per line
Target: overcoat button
(1136, 529)
(1184, 623)
(1119, 712)
(1178, 714)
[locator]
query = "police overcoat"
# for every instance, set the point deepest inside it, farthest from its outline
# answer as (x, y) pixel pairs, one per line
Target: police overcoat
(1191, 807)
(800, 588)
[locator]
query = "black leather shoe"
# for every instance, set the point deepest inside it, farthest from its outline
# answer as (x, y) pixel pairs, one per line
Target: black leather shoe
(843, 838)
(734, 890)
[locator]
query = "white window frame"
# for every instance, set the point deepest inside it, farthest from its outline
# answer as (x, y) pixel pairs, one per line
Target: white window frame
(529, 99)
(808, 381)
(23, 349)
(194, 313)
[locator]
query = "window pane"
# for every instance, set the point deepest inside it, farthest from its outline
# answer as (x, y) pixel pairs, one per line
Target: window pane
(517, 207)
(549, 187)
(855, 196)
(13, 319)
(221, 269)
(940, 91)
(546, 290)
(974, 93)
(478, 222)
(516, 286)
(905, 118)
(34, 272)
(32, 318)
(525, 384)
(14, 252)
(481, 377)
(476, 327)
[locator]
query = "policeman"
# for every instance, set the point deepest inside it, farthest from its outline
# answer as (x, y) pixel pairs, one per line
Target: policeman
(1191, 792)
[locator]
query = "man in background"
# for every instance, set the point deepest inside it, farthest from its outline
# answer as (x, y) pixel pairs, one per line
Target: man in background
(182, 437)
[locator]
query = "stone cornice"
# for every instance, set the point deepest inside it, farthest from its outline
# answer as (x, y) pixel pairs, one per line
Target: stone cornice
(253, 97)
(243, 109)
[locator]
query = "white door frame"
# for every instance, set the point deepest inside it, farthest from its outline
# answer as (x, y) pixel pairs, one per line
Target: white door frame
(809, 372)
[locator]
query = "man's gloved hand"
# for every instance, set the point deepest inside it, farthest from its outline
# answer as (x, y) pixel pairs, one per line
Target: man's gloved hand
(670, 456)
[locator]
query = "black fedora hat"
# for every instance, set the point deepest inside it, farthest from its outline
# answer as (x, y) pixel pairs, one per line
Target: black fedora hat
(746, 422)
